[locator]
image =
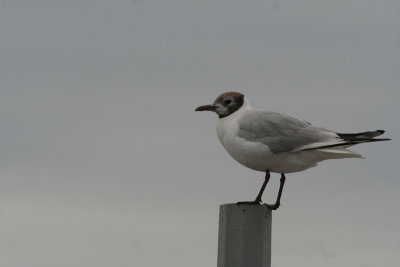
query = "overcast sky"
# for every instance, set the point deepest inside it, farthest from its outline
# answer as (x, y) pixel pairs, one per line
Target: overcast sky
(104, 163)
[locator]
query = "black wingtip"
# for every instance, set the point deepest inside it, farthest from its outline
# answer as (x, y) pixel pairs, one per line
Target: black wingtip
(381, 131)
(380, 139)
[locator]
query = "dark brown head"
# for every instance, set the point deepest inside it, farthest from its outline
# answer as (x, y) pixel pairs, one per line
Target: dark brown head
(225, 104)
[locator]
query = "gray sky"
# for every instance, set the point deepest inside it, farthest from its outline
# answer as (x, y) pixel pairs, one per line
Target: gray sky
(104, 162)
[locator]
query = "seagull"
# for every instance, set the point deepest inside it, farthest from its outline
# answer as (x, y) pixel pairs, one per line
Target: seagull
(269, 141)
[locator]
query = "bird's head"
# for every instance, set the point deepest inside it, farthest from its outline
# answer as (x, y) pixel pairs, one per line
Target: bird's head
(226, 104)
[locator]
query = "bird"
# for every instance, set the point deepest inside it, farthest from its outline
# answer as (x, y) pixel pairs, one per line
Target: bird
(269, 141)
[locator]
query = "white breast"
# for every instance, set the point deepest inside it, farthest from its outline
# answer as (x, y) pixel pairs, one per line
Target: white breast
(250, 154)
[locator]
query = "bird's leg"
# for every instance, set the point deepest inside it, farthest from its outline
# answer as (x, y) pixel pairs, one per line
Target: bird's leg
(257, 201)
(267, 176)
(278, 199)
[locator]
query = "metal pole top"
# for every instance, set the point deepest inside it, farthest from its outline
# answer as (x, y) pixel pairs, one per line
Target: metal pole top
(244, 237)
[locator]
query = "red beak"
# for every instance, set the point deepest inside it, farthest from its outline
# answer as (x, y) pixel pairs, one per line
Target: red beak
(206, 107)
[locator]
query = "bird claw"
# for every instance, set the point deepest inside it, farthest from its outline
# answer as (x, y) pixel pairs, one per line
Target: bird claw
(254, 202)
(273, 206)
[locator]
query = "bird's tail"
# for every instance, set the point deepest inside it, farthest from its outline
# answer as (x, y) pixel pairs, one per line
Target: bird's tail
(356, 138)
(346, 140)
(339, 150)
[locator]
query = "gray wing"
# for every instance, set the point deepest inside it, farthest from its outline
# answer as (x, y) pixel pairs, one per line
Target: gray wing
(280, 132)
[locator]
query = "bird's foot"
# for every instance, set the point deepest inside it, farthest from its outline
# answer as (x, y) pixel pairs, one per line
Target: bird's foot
(254, 202)
(273, 206)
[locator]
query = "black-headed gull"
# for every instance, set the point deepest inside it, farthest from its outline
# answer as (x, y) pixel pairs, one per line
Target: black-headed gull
(268, 141)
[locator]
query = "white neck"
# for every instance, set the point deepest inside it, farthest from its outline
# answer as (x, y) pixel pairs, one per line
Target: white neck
(246, 104)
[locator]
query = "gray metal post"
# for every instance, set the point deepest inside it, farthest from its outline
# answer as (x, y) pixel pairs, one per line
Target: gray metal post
(244, 236)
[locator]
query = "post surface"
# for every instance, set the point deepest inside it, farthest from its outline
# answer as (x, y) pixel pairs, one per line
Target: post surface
(244, 236)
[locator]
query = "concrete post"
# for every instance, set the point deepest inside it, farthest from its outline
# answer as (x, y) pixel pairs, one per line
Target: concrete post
(244, 236)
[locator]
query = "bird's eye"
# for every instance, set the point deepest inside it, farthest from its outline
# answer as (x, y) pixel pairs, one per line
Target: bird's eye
(227, 101)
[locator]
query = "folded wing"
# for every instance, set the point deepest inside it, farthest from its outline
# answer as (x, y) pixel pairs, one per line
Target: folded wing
(283, 133)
